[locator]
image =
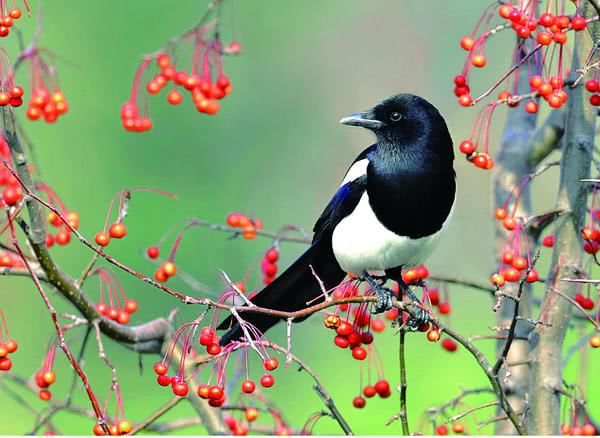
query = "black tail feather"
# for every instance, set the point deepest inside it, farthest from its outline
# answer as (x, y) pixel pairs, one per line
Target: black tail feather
(291, 290)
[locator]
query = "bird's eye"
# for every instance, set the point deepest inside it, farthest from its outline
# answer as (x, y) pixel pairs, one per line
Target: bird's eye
(394, 117)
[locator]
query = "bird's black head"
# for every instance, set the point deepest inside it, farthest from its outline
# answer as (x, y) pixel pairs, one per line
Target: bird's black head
(406, 121)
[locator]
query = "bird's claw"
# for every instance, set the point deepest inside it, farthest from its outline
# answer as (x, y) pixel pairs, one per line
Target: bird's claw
(384, 295)
(421, 315)
(384, 300)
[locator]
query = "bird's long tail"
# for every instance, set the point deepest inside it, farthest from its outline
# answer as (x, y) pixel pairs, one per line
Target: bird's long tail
(292, 290)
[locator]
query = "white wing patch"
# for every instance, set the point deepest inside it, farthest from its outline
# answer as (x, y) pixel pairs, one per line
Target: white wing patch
(361, 243)
(357, 170)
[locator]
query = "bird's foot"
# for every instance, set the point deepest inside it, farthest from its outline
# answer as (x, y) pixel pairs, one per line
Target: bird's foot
(421, 315)
(384, 295)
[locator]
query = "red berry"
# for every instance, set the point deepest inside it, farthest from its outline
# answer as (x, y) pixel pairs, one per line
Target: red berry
(377, 325)
(465, 100)
(267, 381)
(131, 306)
(248, 386)
(531, 107)
(153, 252)
(11, 346)
(359, 353)
(588, 430)
(163, 380)
(591, 85)
(366, 338)
(5, 364)
(272, 255)
(215, 393)
(359, 402)
(213, 349)
(500, 214)
(578, 23)
(479, 61)
(63, 237)
(160, 368)
(369, 391)
(433, 335)
(117, 230)
(467, 43)
(203, 391)
(498, 280)
(123, 317)
(467, 147)
(519, 263)
(590, 247)
(174, 97)
(181, 389)
(547, 19)
(544, 38)
(560, 37)
(442, 429)
(444, 308)
(548, 241)
(535, 81)
(511, 275)
(458, 428)
(344, 329)
(15, 13)
(505, 10)
(434, 296)
(460, 80)
(12, 195)
(532, 277)
(271, 363)
(587, 303)
(510, 223)
(449, 345)
(102, 239)
(382, 386)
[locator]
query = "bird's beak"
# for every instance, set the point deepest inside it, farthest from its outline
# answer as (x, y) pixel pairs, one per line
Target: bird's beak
(366, 120)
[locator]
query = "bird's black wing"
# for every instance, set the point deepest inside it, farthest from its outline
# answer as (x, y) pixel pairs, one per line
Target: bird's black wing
(341, 205)
(296, 286)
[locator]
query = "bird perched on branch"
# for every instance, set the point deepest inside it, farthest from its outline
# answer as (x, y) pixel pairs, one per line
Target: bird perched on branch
(394, 203)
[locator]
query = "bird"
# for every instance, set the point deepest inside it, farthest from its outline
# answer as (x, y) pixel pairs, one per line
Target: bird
(389, 213)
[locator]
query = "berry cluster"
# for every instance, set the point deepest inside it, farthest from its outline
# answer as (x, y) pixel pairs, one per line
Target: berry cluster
(64, 223)
(587, 429)
(120, 426)
(45, 377)
(457, 427)
(12, 193)
(381, 388)
(248, 225)
(7, 345)
(118, 308)
(117, 229)
(46, 105)
(268, 265)
(47, 101)
(8, 17)
(541, 37)
(515, 260)
(205, 80)
(593, 86)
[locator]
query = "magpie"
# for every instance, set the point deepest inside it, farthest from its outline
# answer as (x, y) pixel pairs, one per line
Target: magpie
(394, 203)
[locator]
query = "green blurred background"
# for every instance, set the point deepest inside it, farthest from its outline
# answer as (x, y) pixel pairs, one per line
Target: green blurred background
(275, 151)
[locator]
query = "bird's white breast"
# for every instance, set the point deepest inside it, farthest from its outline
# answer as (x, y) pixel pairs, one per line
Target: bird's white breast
(361, 243)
